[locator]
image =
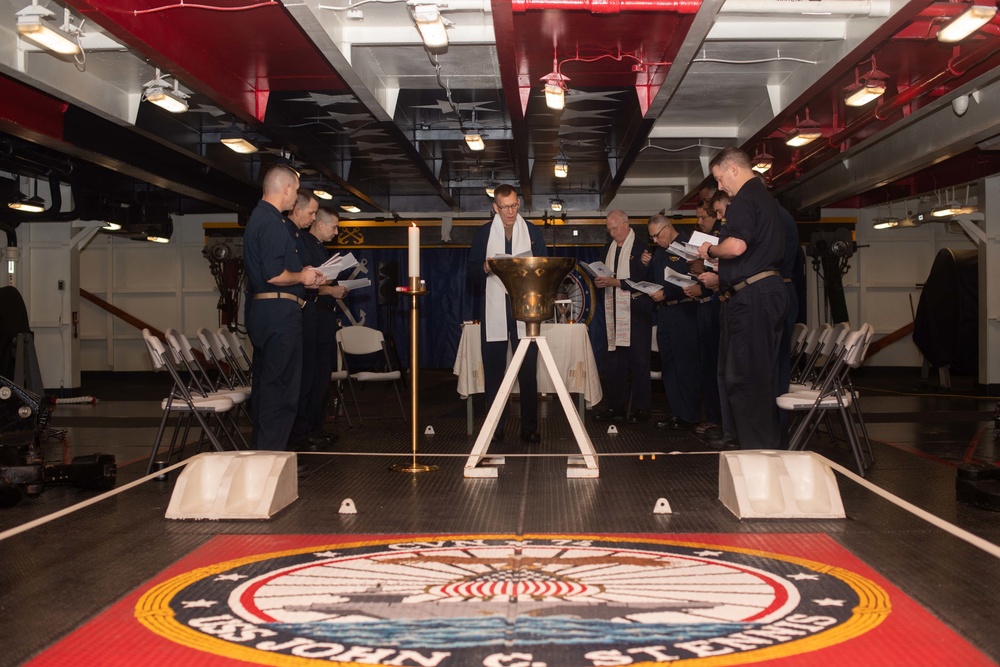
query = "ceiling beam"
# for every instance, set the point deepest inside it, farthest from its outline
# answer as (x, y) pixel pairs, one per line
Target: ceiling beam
(321, 38)
(693, 40)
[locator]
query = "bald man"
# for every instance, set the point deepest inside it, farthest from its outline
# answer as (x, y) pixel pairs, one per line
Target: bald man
(277, 279)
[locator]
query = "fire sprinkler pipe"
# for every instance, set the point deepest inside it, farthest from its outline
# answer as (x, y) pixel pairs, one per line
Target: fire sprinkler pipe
(957, 67)
(610, 6)
(877, 8)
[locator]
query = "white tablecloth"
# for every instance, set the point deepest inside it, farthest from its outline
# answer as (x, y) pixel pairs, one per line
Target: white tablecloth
(570, 347)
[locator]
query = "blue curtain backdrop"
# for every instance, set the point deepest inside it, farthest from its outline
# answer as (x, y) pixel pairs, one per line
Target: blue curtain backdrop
(450, 302)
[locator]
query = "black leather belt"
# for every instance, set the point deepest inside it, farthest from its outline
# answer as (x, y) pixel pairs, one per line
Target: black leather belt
(279, 295)
(704, 300)
(728, 294)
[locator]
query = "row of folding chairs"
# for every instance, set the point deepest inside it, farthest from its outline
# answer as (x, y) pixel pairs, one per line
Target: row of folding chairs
(214, 395)
(824, 385)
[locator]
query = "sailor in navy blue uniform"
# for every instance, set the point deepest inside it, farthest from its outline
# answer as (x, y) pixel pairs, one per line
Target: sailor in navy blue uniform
(277, 279)
(750, 253)
(506, 234)
(299, 220)
(323, 230)
(676, 328)
(708, 327)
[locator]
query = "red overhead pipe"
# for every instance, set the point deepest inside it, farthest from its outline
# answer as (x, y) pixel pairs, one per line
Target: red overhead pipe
(610, 6)
(957, 66)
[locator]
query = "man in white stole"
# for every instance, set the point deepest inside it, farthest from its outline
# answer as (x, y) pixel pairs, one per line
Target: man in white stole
(628, 318)
(506, 234)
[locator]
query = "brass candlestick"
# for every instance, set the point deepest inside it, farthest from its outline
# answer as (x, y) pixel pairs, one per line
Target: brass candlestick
(415, 291)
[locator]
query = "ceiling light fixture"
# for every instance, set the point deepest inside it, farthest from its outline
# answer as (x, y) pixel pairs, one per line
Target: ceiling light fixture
(555, 87)
(556, 205)
(885, 223)
(561, 166)
(33, 204)
(322, 194)
(158, 239)
(762, 163)
(33, 25)
(239, 144)
(159, 92)
(966, 23)
(805, 132)
(350, 208)
(952, 208)
(431, 26)
(111, 226)
(869, 87)
(474, 139)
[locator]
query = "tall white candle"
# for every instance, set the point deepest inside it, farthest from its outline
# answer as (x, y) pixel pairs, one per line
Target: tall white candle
(413, 236)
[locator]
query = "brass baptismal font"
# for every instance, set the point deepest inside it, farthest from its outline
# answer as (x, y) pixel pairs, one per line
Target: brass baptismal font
(532, 283)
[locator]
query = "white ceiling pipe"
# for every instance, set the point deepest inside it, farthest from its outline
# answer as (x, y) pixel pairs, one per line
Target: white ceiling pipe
(876, 8)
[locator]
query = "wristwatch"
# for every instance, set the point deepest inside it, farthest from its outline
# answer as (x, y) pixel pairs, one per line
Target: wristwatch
(709, 252)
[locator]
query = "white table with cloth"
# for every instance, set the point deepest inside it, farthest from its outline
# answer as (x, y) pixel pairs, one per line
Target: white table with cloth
(570, 345)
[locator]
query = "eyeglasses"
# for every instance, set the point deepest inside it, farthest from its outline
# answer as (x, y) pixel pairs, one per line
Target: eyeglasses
(618, 226)
(509, 207)
(657, 234)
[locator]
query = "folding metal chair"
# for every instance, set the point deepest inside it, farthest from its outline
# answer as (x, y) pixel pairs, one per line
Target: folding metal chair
(359, 341)
(338, 377)
(234, 351)
(834, 393)
(230, 376)
(182, 403)
(201, 382)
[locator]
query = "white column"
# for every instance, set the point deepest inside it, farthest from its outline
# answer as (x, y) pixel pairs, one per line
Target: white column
(50, 275)
(989, 283)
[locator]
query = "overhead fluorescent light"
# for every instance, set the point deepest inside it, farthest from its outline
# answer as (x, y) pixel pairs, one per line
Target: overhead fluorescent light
(804, 133)
(173, 101)
(158, 239)
(322, 194)
(34, 204)
(431, 26)
(555, 87)
(111, 226)
(239, 145)
(561, 166)
(952, 208)
(350, 208)
(966, 23)
(865, 89)
(762, 163)
(33, 24)
(802, 136)
(885, 223)
(474, 140)
(555, 96)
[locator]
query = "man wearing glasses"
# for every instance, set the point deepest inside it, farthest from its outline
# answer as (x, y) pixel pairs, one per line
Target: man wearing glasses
(628, 315)
(506, 234)
(676, 328)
